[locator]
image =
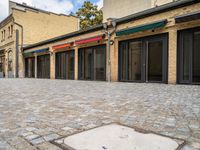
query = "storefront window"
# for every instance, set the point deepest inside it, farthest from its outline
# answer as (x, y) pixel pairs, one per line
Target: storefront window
(92, 63)
(65, 65)
(188, 56)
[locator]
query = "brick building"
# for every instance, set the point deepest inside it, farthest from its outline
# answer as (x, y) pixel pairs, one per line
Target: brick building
(119, 8)
(159, 45)
(26, 25)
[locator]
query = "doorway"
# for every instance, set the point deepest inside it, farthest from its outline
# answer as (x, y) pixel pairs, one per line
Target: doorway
(30, 67)
(65, 65)
(143, 60)
(92, 63)
(43, 66)
(189, 56)
(2, 64)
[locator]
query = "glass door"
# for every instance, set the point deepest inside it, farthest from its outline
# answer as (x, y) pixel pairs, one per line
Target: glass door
(92, 63)
(154, 61)
(189, 56)
(43, 66)
(30, 67)
(2, 66)
(144, 60)
(65, 65)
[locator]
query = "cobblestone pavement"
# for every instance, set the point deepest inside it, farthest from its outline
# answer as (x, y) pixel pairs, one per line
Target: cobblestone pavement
(34, 112)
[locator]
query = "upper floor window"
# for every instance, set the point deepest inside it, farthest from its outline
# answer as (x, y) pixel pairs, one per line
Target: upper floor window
(3, 35)
(10, 31)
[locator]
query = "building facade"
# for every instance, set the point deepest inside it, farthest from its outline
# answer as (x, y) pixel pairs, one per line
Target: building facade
(119, 8)
(26, 25)
(158, 45)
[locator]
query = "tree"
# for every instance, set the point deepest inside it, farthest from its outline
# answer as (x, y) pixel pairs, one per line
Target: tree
(89, 15)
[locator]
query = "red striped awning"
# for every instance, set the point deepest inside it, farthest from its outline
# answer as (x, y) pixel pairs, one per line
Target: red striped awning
(89, 40)
(62, 46)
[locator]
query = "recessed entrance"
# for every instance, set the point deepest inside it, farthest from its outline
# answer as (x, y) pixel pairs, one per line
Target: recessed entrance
(30, 67)
(65, 65)
(43, 66)
(189, 56)
(92, 63)
(144, 60)
(2, 64)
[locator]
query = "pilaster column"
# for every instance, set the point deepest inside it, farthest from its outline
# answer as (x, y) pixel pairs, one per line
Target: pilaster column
(35, 66)
(172, 75)
(52, 65)
(76, 64)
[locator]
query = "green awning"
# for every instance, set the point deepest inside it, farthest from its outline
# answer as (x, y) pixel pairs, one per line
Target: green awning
(140, 28)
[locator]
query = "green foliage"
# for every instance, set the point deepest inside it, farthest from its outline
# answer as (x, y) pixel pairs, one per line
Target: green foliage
(89, 15)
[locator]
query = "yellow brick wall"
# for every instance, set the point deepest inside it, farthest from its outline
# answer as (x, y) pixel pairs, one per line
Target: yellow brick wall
(40, 26)
(171, 28)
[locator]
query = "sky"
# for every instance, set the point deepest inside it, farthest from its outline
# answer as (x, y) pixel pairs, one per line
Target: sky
(57, 6)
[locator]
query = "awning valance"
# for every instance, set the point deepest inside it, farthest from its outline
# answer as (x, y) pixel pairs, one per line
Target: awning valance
(89, 40)
(56, 47)
(41, 50)
(140, 28)
(188, 17)
(31, 53)
(28, 55)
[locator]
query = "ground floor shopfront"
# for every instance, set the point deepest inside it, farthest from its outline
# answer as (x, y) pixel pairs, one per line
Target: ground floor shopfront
(144, 59)
(161, 48)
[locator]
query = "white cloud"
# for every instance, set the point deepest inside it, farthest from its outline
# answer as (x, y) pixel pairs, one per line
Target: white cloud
(4, 9)
(56, 6)
(100, 4)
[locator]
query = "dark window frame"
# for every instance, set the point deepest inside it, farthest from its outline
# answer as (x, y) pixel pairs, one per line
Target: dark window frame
(72, 51)
(180, 66)
(27, 67)
(81, 73)
(144, 40)
(44, 67)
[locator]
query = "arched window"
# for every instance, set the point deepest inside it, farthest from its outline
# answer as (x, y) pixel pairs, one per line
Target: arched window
(10, 58)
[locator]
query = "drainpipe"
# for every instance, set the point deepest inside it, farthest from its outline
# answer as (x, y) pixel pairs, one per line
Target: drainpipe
(109, 34)
(17, 46)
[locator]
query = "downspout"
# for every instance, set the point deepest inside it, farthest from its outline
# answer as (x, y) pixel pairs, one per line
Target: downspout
(17, 47)
(109, 34)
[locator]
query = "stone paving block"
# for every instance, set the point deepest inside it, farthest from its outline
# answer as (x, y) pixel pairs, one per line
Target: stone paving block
(47, 146)
(37, 141)
(51, 137)
(4, 145)
(31, 137)
(67, 128)
(30, 129)
(27, 133)
(187, 147)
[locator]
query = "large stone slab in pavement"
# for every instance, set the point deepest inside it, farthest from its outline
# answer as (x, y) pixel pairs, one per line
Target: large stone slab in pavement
(118, 137)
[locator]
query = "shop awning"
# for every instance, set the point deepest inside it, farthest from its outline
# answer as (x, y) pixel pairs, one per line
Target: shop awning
(56, 47)
(140, 28)
(188, 17)
(30, 53)
(41, 50)
(89, 40)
